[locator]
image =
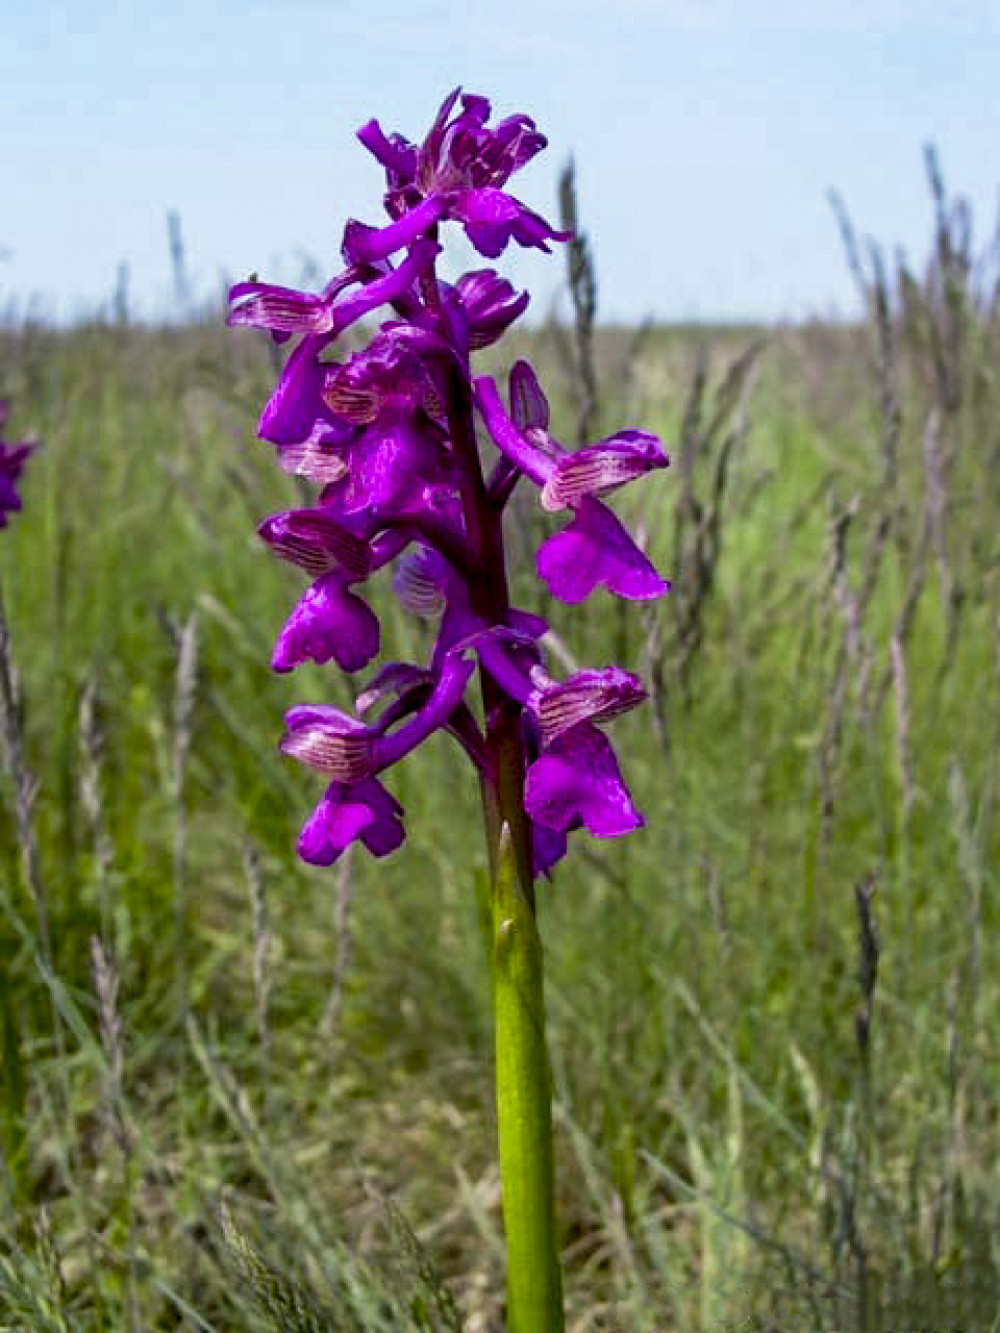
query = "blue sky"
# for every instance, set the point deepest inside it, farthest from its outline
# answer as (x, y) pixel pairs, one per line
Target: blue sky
(706, 136)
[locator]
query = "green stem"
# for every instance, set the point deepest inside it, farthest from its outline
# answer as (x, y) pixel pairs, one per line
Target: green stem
(524, 1098)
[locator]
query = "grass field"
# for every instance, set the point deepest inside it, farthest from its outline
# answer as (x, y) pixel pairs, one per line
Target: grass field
(262, 1100)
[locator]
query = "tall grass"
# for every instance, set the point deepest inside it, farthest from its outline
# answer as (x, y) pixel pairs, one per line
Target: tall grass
(240, 1093)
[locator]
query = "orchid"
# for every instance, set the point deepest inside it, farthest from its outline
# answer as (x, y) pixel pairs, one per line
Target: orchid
(12, 460)
(390, 435)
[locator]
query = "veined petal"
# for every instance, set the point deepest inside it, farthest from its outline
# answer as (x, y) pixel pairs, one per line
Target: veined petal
(513, 142)
(596, 549)
(329, 622)
(346, 813)
(420, 582)
(330, 741)
(577, 780)
(598, 468)
(315, 542)
(588, 696)
(347, 750)
(279, 309)
(320, 457)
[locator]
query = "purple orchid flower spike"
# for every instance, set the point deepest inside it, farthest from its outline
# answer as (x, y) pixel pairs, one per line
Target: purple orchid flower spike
(12, 460)
(388, 434)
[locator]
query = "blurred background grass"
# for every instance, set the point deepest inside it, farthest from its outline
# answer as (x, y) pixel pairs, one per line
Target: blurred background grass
(262, 1100)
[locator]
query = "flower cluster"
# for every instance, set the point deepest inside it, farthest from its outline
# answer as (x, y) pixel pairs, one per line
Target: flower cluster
(390, 436)
(12, 460)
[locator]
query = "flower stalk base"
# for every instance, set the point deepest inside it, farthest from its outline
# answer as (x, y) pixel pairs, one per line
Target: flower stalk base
(524, 1106)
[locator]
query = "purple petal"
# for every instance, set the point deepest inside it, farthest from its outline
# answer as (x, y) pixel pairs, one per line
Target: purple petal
(397, 156)
(491, 306)
(365, 245)
(443, 700)
(345, 813)
(577, 779)
(525, 455)
(383, 290)
(529, 407)
(428, 153)
(489, 217)
(595, 549)
(329, 622)
(513, 142)
(12, 460)
(391, 465)
(291, 412)
(393, 680)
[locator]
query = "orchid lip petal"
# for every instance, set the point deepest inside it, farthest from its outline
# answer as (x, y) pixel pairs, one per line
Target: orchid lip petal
(577, 780)
(362, 811)
(329, 622)
(595, 549)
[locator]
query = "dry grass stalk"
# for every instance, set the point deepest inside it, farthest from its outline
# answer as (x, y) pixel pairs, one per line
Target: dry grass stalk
(113, 1114)
(106, 983)
(24, 783)
(261, 943)
(583, 291)
(898, 657)
(92, 743)
(935, 501)
(185, 690)
(853, 652)
(698, 522)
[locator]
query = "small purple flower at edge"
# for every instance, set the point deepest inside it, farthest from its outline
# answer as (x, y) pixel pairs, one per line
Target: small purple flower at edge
(390, 437)
(12, 460)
